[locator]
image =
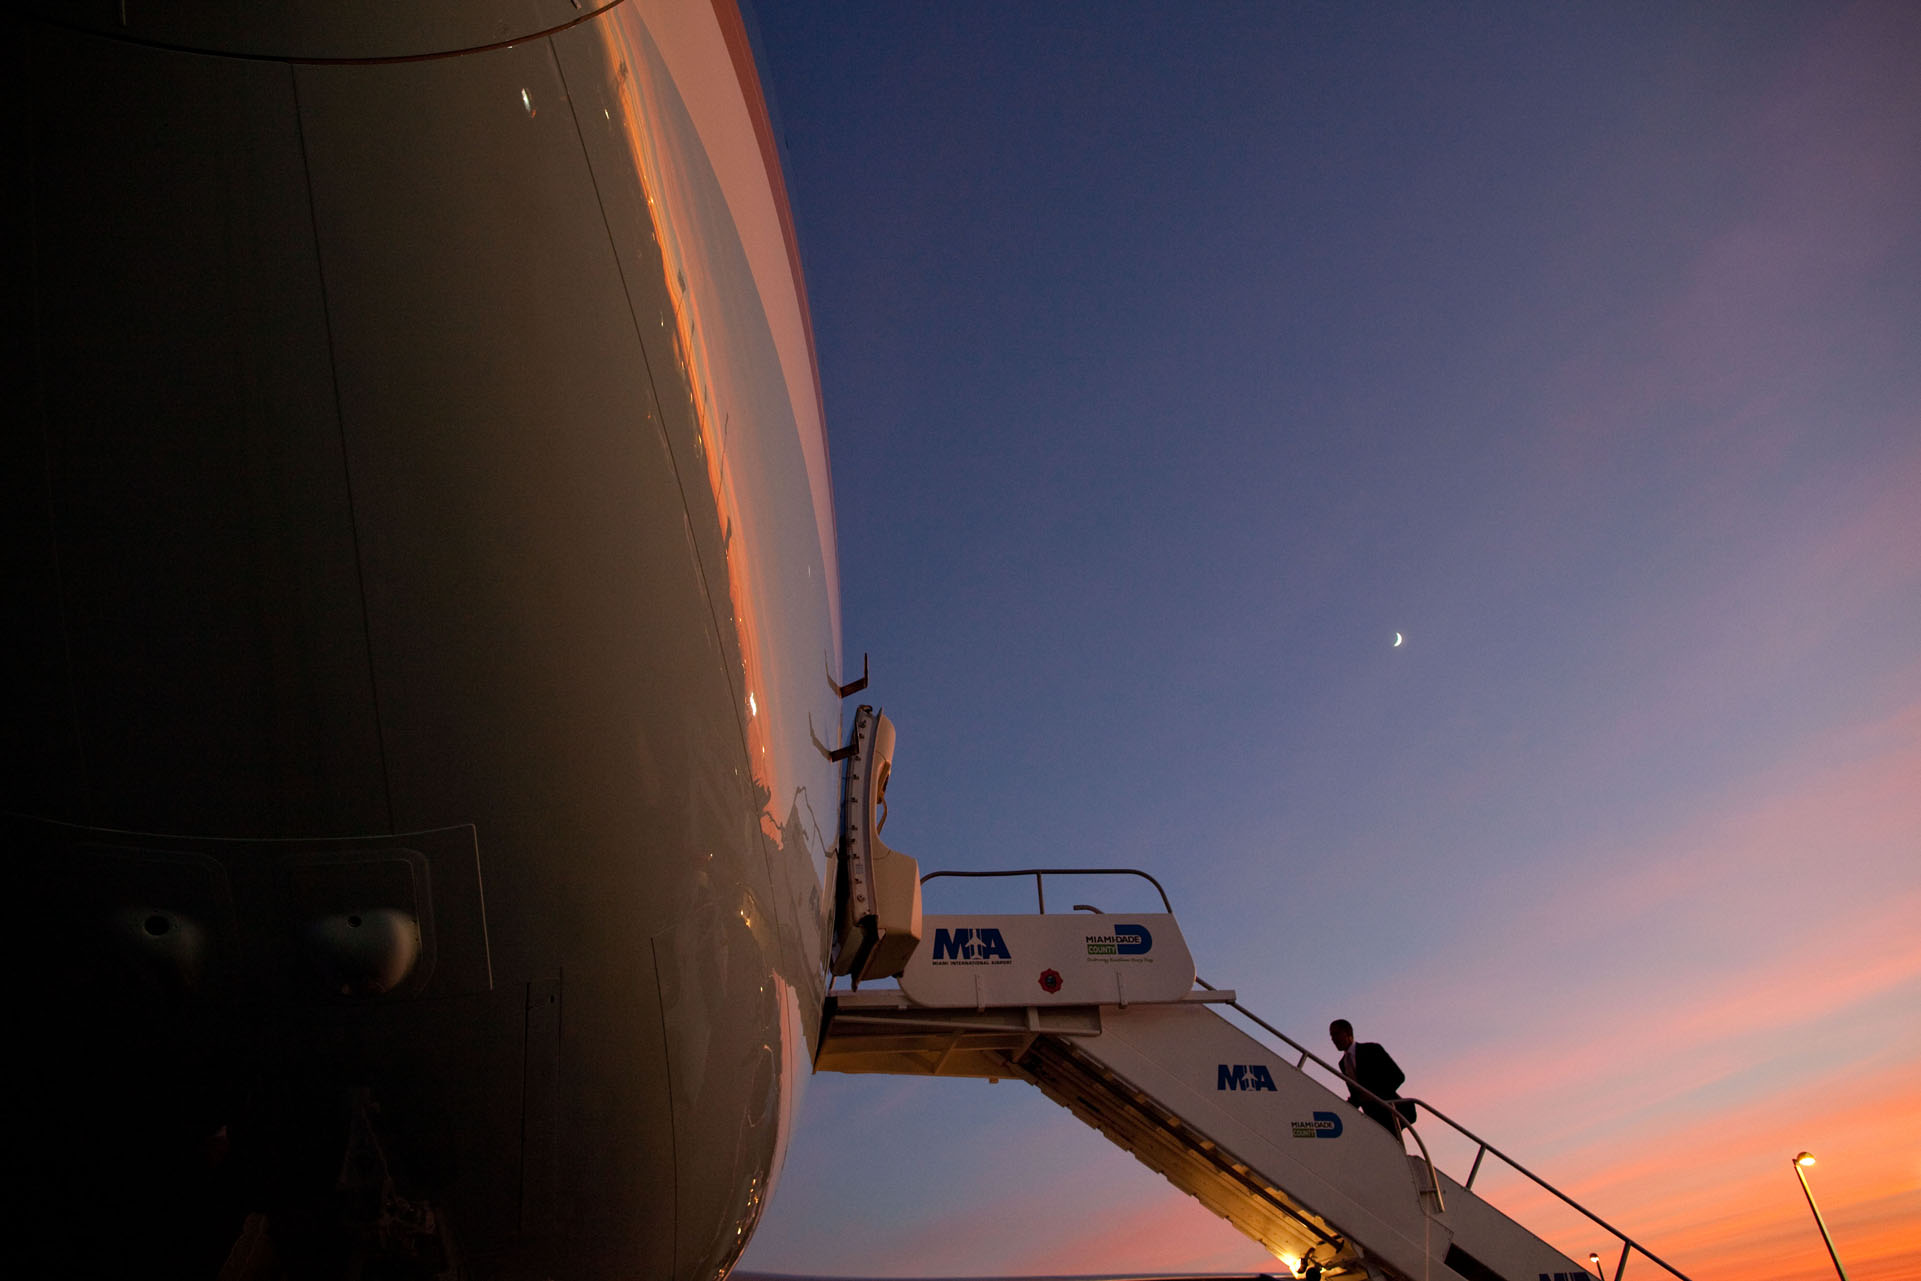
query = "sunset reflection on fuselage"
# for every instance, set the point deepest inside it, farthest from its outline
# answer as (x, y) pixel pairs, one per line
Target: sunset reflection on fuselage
(752, 428)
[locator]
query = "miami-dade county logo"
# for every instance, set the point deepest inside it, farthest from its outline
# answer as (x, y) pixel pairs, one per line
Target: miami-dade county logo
(1126, 940)
(970, 945)
(1243, 1076)
(1325, 1125)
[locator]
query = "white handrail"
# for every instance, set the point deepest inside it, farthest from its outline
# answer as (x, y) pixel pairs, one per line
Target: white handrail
(1628, 1244)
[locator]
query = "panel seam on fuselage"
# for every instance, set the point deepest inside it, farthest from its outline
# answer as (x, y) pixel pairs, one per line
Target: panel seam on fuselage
(667, 1077)
(346, 461)
(371, 60)
(87, 796)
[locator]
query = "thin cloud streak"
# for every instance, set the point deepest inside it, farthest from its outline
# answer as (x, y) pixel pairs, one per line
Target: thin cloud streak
(1715, 1195)
(1847, 797)
(1679, 1036)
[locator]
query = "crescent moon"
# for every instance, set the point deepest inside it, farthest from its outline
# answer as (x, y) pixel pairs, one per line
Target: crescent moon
(1397, 640)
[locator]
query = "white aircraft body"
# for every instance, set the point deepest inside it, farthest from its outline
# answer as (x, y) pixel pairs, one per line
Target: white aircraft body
(424, 641)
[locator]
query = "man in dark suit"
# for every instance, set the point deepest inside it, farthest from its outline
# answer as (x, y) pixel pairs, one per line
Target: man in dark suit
(1370, 1068)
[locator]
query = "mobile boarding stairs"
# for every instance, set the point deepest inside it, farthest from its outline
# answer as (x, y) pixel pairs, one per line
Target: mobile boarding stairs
(1105, 1015)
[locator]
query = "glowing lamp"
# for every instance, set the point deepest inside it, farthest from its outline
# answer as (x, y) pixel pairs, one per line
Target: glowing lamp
(1801, 1162)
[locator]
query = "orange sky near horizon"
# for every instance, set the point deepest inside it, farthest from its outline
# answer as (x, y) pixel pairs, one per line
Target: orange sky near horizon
(1718, 1197)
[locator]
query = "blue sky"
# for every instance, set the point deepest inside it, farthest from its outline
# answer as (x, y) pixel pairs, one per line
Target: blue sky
(1176, 357)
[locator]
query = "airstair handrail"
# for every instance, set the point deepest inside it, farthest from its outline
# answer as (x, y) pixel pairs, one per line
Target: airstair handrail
(1040, 888)
(1628, 1244)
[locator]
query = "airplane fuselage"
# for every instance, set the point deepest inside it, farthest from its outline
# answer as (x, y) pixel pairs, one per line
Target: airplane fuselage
(426, 619)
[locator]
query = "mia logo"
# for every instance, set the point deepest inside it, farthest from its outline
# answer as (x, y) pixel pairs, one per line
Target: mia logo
(1126, 940)
(969, 945)
(1243, 1076)
(1325, 1125)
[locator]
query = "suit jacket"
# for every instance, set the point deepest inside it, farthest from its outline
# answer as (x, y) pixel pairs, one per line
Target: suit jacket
(1376, 1070)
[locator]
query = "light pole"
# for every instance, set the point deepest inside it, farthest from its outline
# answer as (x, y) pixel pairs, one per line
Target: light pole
(1801, 1161)
(1594, 1257)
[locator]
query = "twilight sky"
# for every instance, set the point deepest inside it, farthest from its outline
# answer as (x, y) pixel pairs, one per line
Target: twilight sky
(1175, 357)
